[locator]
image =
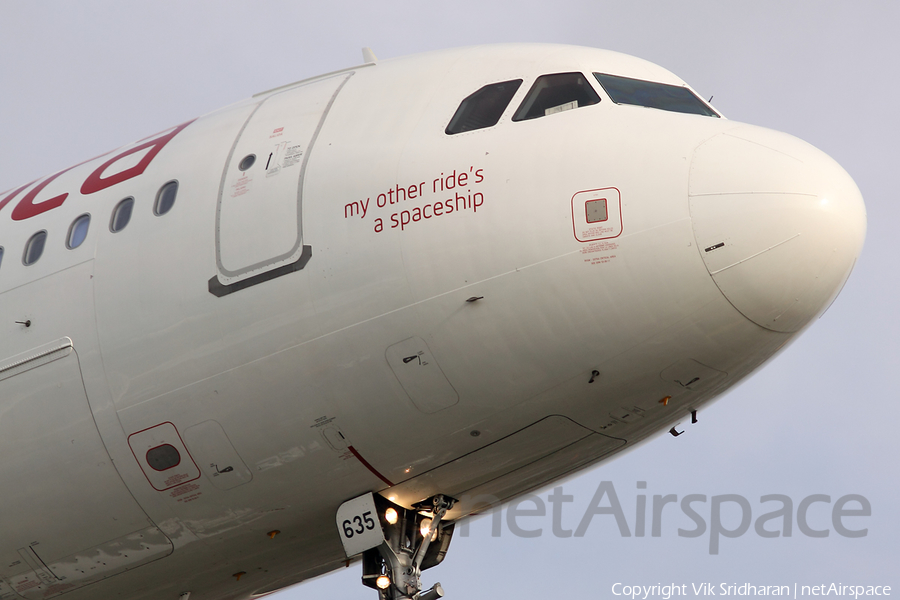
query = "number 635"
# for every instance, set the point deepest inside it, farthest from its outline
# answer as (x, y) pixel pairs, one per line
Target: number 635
(362, 523)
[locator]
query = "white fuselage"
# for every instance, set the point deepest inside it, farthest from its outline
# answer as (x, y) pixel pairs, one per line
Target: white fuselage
(300, 331)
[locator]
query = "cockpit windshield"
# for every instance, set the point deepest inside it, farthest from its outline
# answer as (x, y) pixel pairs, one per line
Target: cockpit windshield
(483, 108)
(556, 93)
(624, 90)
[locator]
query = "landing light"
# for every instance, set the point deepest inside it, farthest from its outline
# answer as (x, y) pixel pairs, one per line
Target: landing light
(383, 582)
(390, 515)
(425, 529)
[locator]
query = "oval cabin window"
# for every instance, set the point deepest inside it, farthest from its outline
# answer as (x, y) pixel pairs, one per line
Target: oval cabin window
(165, 199)
(34, 248)
(78, 231)
(121, 215)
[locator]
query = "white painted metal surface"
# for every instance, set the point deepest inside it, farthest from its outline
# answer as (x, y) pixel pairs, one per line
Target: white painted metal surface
(294, 381)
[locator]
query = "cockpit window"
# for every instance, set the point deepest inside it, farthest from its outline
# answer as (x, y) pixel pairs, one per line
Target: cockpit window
(623, 90)
(483, 108)
(555, 93)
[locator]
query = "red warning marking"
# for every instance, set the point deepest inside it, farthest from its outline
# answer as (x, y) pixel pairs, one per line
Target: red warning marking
(368, 466)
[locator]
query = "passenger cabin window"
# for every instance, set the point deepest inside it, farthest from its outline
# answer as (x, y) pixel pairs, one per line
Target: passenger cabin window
(674, 98)
(34, 248)
(165, 198)
(121, 215)
(483, 108)
(78, 231)
(551, 94)
(1, 256)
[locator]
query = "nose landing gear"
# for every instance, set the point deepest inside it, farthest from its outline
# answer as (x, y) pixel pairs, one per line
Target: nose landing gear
(414, 540)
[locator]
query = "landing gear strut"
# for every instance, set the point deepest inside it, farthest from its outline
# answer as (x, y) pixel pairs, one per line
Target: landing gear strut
(414, 540)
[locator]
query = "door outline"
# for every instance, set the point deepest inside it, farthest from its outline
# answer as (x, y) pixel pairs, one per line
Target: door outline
(216, 286)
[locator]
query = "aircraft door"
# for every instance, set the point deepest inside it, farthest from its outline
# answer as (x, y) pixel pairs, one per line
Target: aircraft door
(259, 210)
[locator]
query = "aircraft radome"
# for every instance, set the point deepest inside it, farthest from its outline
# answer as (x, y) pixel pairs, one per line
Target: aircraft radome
(240, 352)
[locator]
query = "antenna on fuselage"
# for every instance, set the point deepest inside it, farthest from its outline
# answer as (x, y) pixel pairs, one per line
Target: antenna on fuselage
(368, 56)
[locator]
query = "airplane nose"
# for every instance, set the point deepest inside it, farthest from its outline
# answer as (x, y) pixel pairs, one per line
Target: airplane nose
(779, 224)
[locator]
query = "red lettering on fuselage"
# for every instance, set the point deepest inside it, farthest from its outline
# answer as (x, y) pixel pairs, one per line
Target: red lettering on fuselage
(15, 193)
(26, 208)
(95, 182)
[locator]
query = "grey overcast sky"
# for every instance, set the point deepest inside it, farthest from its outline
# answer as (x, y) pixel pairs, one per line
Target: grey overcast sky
(80, 78)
